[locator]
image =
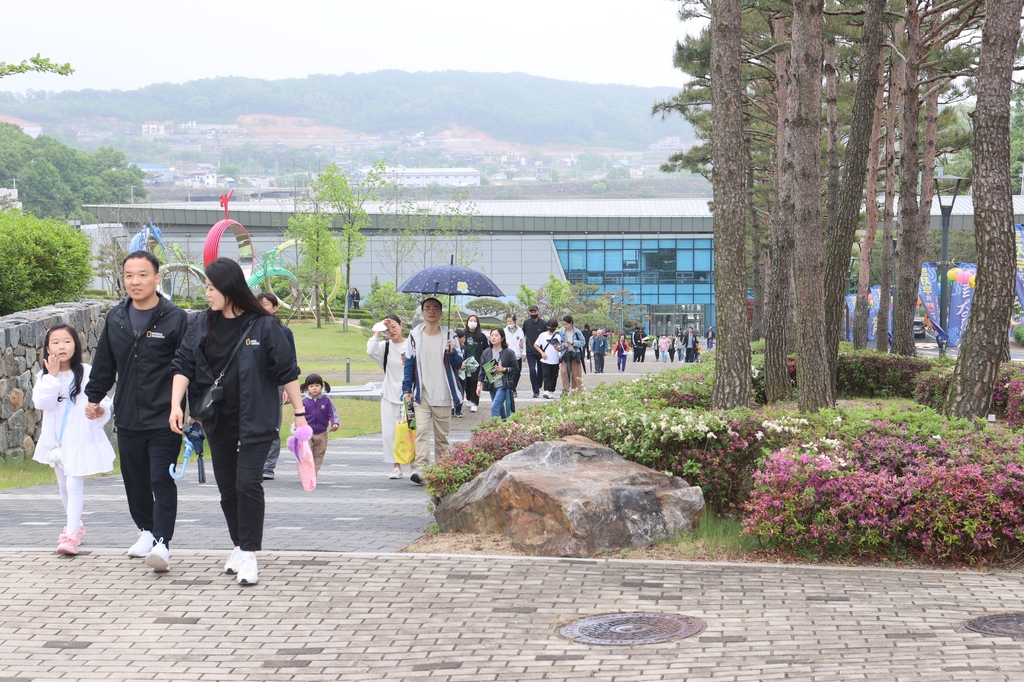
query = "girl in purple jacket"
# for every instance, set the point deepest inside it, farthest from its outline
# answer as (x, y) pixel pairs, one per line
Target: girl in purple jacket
(320, 415)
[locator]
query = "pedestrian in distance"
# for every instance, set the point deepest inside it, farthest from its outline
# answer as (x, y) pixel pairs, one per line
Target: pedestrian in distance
(549, 346)
(321, 415)
(587, 335)
(672, 348)
(240, 347)
(271, 303)
(690, 345)
(572, 348)
(599, 348)
(621, 351)
(135, 350)
(638, 345)
(460, 376)
(663, 347)
(711, 338)
(430, 382)
(505, 360)
(532, 329)
(476, 341)
(74, 445)
(516, 339)
(389, 354)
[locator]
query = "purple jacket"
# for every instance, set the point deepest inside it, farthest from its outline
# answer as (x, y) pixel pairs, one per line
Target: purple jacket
(320, 413)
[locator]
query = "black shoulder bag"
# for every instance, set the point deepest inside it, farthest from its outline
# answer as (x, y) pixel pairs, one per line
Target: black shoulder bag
(212, 397)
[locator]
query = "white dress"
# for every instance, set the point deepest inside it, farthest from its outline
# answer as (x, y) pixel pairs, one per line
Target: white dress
(391, 411)
(86, 448)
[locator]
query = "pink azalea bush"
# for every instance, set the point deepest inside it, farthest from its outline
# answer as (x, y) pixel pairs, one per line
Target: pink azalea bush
(956, 494)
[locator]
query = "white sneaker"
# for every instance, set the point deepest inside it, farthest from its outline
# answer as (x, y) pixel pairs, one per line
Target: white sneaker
(396, 473)
(142, 546)
(159, 559)
(247, 573)
(472, 407)
(234, 561)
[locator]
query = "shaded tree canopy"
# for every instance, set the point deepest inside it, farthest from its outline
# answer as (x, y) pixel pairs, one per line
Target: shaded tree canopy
(54, 180)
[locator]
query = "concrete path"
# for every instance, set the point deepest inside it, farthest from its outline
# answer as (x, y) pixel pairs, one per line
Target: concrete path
(355, 508)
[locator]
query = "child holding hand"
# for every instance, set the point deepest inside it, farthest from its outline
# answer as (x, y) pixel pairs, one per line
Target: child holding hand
(72, 444)
(320, 415)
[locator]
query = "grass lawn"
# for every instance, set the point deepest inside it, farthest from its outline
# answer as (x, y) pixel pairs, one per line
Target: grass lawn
(324, 350)
(29, 472)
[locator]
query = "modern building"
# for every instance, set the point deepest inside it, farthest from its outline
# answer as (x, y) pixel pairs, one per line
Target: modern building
(651, 252)
(424, 177)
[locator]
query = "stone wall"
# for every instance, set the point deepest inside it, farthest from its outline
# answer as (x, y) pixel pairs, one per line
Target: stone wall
(21, 352)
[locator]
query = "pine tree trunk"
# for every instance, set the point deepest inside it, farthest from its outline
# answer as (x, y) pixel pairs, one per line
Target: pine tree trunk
(757, 329)
(896, 77)
(831, 130)
(860, 317)
(977, 365)
(910, 245)
(842, 230)
(779, 303)
(814, 390)
(732, 387)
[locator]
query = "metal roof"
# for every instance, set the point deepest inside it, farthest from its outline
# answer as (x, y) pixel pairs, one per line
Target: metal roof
(589, 208)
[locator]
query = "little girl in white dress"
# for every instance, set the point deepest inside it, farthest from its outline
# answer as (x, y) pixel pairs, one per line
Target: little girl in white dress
(73, 445)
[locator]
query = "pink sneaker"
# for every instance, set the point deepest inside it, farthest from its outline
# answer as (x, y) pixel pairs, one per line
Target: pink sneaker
(68, 543)
(80, 535)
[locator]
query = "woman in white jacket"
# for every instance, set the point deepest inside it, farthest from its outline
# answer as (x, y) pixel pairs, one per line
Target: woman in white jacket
(389, 354)
(72, 444)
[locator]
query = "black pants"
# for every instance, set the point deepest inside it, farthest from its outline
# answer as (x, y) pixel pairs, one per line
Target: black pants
(550, 376)
(536, 377)
(598, 363)
(471, 382)
(636, 352)
(671, 354)
(239, 472)
(691, 354)
(516, 372)
(146, 457)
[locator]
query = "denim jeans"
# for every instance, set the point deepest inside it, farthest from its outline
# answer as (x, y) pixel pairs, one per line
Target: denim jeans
(498, 402)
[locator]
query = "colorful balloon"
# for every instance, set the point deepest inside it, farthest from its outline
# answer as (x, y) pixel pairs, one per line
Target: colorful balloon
(952, 273)
(964, 277)
(973, 280)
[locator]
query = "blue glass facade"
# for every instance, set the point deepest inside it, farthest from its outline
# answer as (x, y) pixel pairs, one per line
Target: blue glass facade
(658, 272)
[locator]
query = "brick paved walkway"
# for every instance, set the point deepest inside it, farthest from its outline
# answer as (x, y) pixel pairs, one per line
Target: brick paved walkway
(403, 617)
(343, 608)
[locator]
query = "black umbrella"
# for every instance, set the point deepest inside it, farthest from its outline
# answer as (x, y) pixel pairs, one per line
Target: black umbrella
(450, 279)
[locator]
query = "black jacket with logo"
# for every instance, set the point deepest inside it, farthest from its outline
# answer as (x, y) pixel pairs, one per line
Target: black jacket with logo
(531, 330)
(265, 361)
(141, 367)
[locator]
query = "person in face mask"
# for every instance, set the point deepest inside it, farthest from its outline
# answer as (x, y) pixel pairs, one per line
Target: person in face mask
(476, 341)
(516, 340)
(532, 328)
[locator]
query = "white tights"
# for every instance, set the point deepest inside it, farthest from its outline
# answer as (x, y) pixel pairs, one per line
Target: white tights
(72, 496)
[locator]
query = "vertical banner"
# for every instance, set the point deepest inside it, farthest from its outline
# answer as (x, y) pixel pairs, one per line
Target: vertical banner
(1019, 279)
(851, 308)
(928, 292)
(960, 299)
(876, 293)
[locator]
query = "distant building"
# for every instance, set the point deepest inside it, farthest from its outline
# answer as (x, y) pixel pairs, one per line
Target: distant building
(9, 199)
(153, 128)
(423, 177)
(33, 130)
(668, 144)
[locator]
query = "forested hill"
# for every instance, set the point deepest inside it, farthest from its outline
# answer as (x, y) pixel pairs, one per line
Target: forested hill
(512, 107)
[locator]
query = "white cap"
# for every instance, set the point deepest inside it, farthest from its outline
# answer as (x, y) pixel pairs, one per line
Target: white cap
(379, 327)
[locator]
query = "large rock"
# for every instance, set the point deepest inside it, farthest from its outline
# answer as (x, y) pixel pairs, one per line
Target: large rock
(572, 497)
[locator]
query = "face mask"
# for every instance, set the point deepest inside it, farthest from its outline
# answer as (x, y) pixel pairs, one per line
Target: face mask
(512, 326)
(472, 325)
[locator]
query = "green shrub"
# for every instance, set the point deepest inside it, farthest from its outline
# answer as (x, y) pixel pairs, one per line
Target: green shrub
(41, 262)
(867, 374)
(1018, 334)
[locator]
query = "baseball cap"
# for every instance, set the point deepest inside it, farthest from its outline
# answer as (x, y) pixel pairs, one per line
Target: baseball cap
(533, 307)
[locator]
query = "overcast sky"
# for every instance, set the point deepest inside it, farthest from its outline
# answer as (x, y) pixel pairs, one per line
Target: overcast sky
(126, 45)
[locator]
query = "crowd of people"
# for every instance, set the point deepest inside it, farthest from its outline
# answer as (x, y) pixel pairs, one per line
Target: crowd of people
(231, 368)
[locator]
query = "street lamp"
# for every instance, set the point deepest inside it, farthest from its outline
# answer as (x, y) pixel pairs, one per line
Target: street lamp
(947, 213)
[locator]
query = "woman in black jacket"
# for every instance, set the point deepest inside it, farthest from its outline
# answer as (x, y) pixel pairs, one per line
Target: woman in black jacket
(247, 420)
(476, 342)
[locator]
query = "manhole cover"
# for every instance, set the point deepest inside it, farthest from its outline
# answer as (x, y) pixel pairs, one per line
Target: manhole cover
(1005, 625)
(632, 628)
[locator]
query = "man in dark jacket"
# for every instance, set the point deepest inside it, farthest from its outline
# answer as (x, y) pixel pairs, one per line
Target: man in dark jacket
(690, 345)
(135, 350)
(639, 345)
(532, 328)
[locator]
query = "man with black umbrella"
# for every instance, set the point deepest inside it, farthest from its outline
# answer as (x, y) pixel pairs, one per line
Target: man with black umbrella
(532, 328)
